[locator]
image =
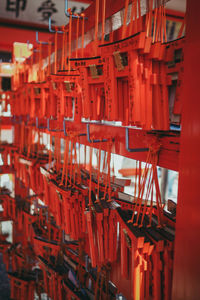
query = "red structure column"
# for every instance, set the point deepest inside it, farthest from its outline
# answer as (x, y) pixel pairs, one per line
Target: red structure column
(186, 281)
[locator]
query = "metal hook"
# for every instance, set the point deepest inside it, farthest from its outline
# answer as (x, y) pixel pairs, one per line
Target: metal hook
(37, 124)
(51, 30)
(39, 42)
(133, 149)
(93, 141)
(65, 131)
(73, 16)
(54, 130)
(34, 50)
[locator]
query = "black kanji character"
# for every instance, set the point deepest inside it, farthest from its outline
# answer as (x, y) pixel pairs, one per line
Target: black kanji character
(16, 6)
(47, 8)
(74, 9)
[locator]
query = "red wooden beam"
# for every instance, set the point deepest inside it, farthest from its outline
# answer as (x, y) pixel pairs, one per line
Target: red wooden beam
(169, 153)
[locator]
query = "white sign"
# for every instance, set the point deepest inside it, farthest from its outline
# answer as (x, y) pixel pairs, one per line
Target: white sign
(39, 11)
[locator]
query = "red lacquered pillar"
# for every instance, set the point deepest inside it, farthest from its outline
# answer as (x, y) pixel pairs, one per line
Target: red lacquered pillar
(186, 278)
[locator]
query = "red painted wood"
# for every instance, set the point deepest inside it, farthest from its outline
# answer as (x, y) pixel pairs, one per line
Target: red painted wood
(10, 35)
(174, 15)
(169, 152)
(187, 245)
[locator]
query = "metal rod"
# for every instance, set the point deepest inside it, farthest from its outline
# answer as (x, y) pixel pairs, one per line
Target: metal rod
(50, 28)
(39, 42)
(37, 124)
(73, 16)
(53, 130)
(93, 141)
(133, 149)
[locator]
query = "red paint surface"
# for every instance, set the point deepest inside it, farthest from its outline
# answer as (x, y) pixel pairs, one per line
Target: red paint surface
(186, 282)
(10, 35)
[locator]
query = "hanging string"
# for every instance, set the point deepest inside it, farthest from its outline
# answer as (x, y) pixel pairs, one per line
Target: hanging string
(113, 166)
(141, 182)
(147, 16)
(85, 155)
(96, 26)
(131, 18)
(58, 155)
(158, 25)
(109, 175)
(103, 20)
(155, 23)
(55, 52)
(66, 49)
(70, 41)
(79, 161)
(164, 22)
(63, 48)
(141, 191)
(33, 141)
(136, 20)
(146, 183)
(77, 34)
(158, 194)
(125, 18)
(106, 158)
(149, 19)
(67, 160)
(149, 188)
(139, 17)
(55, 154)
(104, 161)
(83, 33)
(151, 208)
(40, 62)
(75, 161)
(50, 152)
(99, 171)
(49, 58)
(158, 197)
(135, 186)
(140, 173)
(71, 161)
(90, 171)
(38, 142)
